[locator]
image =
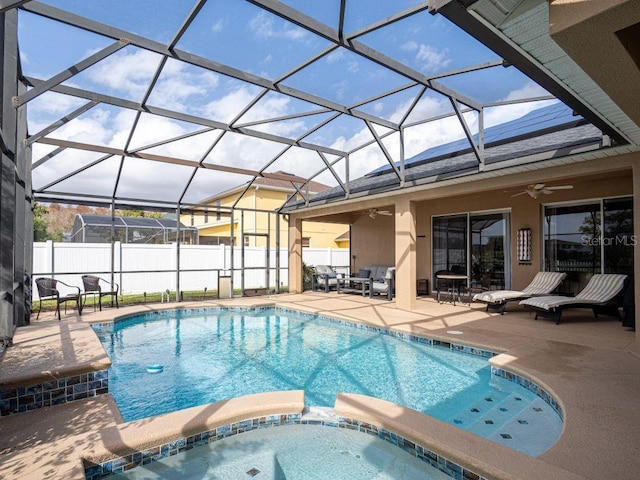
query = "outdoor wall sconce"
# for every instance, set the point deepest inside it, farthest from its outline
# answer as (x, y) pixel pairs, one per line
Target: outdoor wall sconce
(524, 245)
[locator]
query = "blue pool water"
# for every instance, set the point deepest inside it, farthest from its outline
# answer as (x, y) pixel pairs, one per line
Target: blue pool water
(302, 452)
(214, 356)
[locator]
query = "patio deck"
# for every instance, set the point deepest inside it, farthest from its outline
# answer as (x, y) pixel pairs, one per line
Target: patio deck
(592, 367)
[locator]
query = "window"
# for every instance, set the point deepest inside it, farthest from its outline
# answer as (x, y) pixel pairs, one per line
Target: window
(192, 219)
(218, 203)
(206, 214)
(306, 241)
(589, 238)
(247, 241)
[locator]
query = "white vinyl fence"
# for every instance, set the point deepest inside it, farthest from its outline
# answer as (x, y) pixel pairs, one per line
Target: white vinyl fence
(153, 268)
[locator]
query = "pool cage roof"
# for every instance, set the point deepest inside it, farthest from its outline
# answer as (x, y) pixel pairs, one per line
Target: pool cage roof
(163, 103)
(97, 228)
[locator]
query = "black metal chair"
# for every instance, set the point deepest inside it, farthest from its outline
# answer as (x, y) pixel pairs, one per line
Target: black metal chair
(442, 285)
(48, 290)
(92, 286)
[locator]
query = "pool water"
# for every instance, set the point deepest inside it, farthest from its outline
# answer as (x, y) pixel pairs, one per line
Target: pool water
(301, 452)
(225, 354)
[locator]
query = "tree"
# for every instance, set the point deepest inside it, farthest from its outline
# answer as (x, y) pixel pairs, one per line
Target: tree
(40, 224)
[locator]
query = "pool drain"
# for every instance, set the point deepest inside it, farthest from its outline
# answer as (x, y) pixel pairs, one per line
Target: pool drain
(253, 472)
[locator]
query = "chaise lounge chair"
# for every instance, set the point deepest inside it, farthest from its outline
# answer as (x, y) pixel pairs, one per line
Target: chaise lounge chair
(542, 284)
(601, 293)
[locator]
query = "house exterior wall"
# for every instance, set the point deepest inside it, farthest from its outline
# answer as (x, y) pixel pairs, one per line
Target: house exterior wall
(320, 234)
(374, 241)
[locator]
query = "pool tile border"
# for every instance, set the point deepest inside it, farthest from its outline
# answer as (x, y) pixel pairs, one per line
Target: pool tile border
(96, 471)
(53, 392)
(505, 374)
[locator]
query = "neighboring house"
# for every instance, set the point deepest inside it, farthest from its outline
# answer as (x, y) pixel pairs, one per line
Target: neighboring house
(253, 217)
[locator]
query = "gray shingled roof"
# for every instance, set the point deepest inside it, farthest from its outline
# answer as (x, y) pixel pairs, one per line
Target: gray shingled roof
(542, 147)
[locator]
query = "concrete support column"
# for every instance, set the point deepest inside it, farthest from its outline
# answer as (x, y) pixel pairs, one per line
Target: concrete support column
(405, 247)
(295, 255)
(636, 248)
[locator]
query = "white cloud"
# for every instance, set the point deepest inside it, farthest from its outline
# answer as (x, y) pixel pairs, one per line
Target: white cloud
(217, 26)
(431, 59)
(498, 115)
(335, 56)
(428, 58)
(127, 71)
(264, 25)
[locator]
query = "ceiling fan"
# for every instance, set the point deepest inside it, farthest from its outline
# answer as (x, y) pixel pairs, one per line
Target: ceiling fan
(374, 212)
(537, 189)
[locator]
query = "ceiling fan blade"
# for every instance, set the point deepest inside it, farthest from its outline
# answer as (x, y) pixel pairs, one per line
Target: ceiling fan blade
(560, 187)
(537, 186)
(520, 193)
(384, 212)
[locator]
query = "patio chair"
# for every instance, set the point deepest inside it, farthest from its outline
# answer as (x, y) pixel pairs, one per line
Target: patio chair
(384, 285)
(93, 286)
(603, 292)
(542, 284)
(442, 285)
(324, 277)
(48, 290)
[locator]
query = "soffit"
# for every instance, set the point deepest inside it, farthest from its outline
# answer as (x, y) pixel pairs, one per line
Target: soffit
(525, 24)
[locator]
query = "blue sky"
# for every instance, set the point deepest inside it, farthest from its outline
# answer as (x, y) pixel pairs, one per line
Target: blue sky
(238, 34)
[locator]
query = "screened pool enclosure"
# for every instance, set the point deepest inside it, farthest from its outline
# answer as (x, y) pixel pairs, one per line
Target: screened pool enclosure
(99, 229)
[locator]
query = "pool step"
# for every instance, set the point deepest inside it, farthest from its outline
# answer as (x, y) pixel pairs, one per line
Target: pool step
(512, 420)
(489, 415)
(530, 428)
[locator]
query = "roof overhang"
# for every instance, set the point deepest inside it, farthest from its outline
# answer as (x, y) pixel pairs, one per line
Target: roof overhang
(574, 69)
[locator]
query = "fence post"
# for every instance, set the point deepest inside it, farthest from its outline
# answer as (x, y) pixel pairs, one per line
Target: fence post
(117, 264)
(50, 257)
(176, 260)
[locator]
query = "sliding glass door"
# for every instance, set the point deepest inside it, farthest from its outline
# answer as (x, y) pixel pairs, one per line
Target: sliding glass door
(474, 245)
(488, 237)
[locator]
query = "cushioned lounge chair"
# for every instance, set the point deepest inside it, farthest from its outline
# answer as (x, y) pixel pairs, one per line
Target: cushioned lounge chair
(382, 280)
(324, 277)
(542, 284)
(601, 293)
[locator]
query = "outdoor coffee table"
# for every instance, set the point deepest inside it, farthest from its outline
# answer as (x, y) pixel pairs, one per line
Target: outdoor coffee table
(355, 285)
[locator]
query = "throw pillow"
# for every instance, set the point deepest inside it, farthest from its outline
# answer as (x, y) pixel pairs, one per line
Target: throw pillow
(364, 273)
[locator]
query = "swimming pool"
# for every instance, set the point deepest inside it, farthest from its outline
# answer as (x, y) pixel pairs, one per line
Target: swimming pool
(212, 354)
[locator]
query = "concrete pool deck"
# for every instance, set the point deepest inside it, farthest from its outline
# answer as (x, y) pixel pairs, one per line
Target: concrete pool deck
(591, 366)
